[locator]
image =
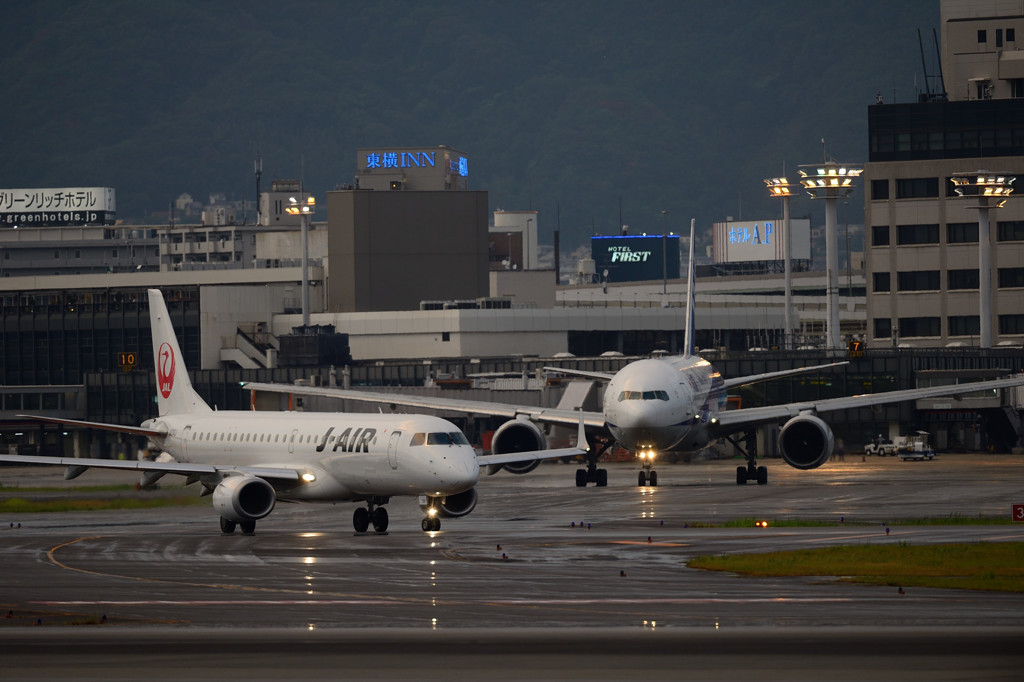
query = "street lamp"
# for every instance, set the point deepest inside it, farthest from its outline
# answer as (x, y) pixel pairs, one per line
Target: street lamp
(526, 245)
(991, 190)
(303, 207)
(780, 187)
(830, 181)
(664, 259)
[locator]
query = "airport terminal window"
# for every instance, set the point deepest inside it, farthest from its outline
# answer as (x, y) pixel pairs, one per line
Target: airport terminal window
(907, 235)
(1010, 231)
(880, 281)
(964, 325)
(879, 235)
(883, 327)
(962, 279)
(1011, 324)
(917, 280)
(1011, 277)
(920, 326)
(961, 233)
(982, 36)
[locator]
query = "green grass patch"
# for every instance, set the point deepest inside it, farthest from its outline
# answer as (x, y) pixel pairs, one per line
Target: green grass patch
(76, 489)
(952, 520)
(20, 505)
(980, 566)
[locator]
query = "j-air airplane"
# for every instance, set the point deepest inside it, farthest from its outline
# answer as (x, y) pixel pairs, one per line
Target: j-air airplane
(658, 405)
(247, 461)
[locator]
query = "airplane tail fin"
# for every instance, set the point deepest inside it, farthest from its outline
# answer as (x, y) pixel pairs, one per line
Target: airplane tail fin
(174, 392)
(691, 277)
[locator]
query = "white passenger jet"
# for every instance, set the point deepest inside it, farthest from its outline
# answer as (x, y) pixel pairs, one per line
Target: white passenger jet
(248, 461)
(670, 404)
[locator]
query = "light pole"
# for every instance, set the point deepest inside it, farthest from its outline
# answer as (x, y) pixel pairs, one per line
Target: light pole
(303, 207)
(830, 181)
(991, 191)
(664, 259)
(526, 245)
(780, 187)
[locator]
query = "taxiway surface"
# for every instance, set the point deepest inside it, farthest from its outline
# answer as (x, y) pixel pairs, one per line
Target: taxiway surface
(538, 555)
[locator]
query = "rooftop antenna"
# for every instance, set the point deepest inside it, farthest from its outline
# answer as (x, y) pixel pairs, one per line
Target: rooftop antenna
(938, 57)
(258, 170)
(924, 67)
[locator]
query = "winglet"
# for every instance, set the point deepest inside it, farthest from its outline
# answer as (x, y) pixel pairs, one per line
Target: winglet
(691, 278)
(581, 436)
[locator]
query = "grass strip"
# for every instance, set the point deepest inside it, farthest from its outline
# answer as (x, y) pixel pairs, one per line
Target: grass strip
(20, 505)
(995, 566)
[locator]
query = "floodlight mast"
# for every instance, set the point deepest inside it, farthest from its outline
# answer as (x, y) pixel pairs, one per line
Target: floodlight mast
(303, 207)
(780, 188)
(991, 190)
(830, 181)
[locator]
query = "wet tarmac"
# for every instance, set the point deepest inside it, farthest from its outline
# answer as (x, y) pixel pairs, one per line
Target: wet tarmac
(538, 561)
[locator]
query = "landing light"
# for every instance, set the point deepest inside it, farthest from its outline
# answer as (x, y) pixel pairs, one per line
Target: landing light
(308, 477)
(761, 524)
(431, 512)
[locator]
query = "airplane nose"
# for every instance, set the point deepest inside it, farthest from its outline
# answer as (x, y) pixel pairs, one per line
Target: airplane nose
(462, 470)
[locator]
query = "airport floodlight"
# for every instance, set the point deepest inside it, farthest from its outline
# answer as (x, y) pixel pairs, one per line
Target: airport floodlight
(781, 188)
(304, 208)
(983, 184)
(831, 181)
(301, 207)
(991, 190)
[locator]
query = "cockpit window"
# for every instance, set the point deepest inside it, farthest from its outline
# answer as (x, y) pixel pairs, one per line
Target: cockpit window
(419, 439)
(458, 438)
(643, 395)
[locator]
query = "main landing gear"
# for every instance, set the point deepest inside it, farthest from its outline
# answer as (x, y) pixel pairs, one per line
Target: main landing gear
(592, 474)
(227, 526)
(750, 472)
(374, 512)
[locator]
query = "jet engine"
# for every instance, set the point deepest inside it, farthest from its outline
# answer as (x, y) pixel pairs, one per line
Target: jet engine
(518, 435)
(805, 442)
(244, 498)
(452, 506)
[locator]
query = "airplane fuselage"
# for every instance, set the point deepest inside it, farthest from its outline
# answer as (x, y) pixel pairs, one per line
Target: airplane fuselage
(663, 404)
(342, 456)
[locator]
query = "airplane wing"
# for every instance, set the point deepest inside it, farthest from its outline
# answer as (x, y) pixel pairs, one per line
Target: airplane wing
(767, 376)
(603, 376)
(733, 420)
(523, 457)
(77, 465)
(121, 428)
(482, 407)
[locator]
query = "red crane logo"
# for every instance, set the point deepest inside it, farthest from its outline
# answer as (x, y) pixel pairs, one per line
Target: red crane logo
(165, 370)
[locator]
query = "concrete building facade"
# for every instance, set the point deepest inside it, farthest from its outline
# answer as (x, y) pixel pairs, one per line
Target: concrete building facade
(922, 239)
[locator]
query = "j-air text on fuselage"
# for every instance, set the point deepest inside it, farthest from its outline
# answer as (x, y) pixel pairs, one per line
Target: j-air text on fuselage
(247, 461)
(664, 404)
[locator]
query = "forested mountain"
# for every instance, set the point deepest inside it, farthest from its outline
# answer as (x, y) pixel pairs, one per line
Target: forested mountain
(578, 107)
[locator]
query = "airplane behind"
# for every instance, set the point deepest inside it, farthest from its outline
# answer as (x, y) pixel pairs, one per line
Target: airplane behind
(248, 461)
(668, 404)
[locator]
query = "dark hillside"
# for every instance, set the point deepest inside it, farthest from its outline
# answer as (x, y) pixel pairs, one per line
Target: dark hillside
(677, 106)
